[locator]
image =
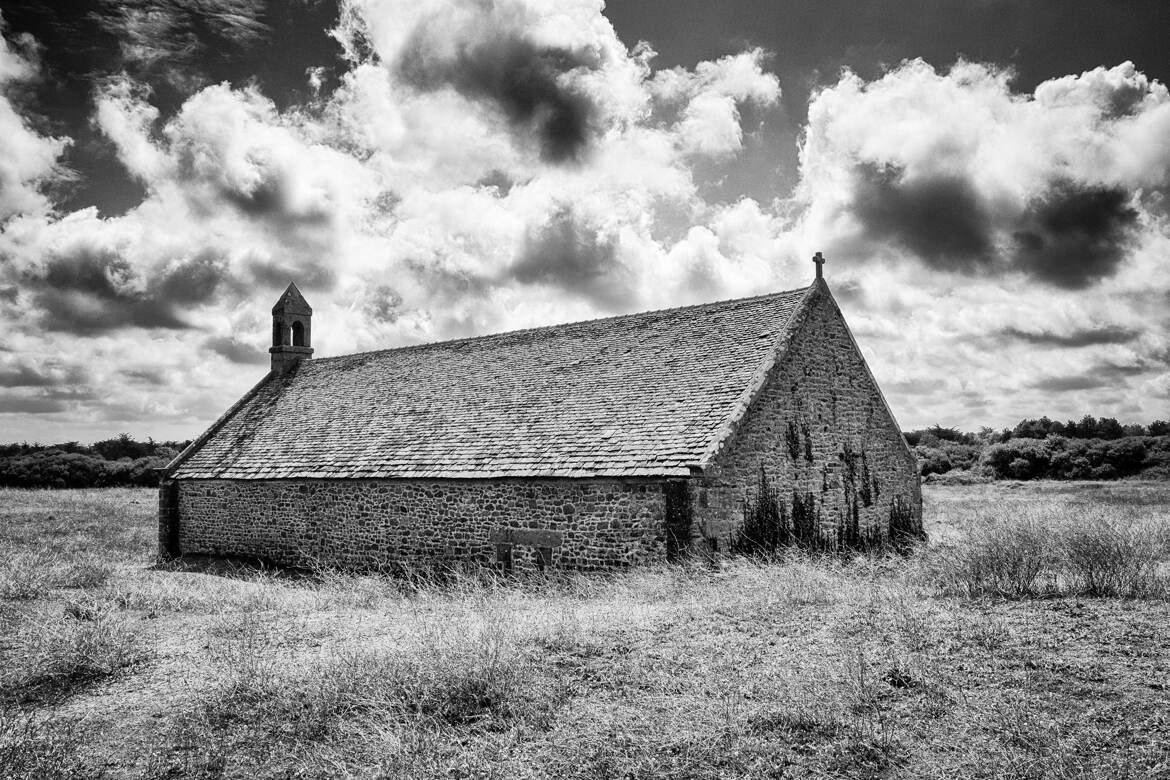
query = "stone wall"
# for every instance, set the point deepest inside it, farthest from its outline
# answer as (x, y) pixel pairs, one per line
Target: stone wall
(824, 440)
(369, 524)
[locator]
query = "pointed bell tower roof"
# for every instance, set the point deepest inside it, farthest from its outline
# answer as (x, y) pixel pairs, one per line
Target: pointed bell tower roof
(292, 302)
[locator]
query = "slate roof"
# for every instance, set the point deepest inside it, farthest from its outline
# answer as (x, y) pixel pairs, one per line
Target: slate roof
(649, 394)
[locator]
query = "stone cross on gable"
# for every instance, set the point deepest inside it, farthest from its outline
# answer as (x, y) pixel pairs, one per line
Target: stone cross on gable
(820, 261)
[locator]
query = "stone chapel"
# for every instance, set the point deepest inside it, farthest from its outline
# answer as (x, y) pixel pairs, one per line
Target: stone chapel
(588, 445)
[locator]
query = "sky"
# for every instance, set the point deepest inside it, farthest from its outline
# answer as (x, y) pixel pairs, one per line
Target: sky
(986, 178)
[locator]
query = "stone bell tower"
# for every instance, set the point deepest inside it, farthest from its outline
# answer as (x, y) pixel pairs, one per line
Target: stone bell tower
(291, 330)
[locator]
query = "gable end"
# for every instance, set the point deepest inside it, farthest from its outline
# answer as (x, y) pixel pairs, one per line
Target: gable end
(817, 450)
(759, 379)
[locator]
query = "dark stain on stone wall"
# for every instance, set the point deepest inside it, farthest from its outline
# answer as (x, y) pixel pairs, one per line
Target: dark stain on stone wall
(792, 438)
(806, 530)
(765, 528)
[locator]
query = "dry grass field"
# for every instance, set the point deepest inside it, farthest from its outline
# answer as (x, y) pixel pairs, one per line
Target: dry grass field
(1029, 639)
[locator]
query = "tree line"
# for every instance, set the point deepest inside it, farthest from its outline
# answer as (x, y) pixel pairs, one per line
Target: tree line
(1088, 427)
(1089, 448)
(120, 461)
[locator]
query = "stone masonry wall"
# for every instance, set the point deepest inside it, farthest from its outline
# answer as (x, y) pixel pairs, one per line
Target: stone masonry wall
(824, 439)
(368, 524)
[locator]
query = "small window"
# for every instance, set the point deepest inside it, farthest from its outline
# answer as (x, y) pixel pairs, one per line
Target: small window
(543, 558)
(277, 332)
(298, 334)
(504, 556)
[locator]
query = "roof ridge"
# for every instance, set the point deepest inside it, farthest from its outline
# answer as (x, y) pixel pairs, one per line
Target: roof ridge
(519, 331)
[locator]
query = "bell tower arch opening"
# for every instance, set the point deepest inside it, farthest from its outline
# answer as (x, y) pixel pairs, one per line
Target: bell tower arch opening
(291, 330)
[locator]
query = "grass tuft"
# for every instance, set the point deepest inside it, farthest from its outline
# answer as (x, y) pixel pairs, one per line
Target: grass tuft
(49, 657)
(34, 574)
(36, 748)
(26, 575)
(474, 673)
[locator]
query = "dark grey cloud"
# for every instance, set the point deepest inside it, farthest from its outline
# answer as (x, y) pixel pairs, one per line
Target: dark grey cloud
(520, 77)
(75, 393)
(270, 199)
(500, 181)
(235, 351)
(54, 378)
(195, 280)
(849, 291)
(1117, 373)
(22, 405)
(1074, 235)
(24, 376)
(90, 291)
(1085, 337)
(1070, 236)
(383, 304)
(1125, 98)
(304, 268)
(940, 218)
(1101, 374)
(78, 294)
(1064, 384)
(146, 376)
(567, 254)
(912, 387)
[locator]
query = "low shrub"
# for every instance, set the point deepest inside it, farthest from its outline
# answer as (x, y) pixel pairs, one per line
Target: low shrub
(958, 477)
(938, 457)
(1102, 557)
(1098, 554)
(1005, 559)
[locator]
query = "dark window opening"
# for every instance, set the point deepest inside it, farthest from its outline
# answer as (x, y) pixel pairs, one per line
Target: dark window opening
(543, 557)
(504, 556)
(170, 491)
(678, 520)
(298, 334)
(277, 333)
